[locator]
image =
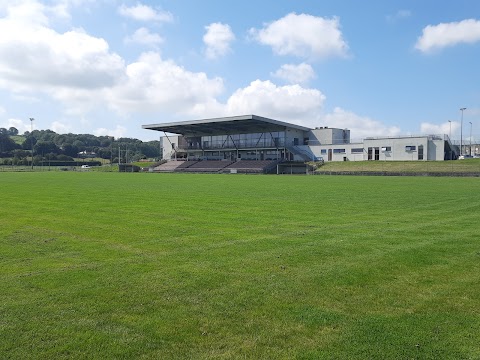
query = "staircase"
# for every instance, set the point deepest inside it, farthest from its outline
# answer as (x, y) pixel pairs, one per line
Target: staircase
(303, 151)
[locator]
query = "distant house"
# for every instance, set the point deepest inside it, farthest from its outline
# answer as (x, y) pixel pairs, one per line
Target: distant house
(86, 154)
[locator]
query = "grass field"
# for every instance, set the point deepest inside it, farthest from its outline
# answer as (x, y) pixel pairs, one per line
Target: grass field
(172, 266)
(454, 166)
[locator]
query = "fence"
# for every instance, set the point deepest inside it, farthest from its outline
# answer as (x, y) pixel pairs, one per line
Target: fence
(46, 168)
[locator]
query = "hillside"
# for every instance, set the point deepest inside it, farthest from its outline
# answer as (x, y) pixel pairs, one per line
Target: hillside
(16, 149)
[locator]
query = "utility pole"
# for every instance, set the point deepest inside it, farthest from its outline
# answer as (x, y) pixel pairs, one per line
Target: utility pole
(470, 138)
(31, 136)
(461, 131)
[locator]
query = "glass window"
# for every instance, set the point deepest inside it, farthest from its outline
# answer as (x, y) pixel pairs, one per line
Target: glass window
(357, 150)
(339, 151)
(323, 151)
(410, 148)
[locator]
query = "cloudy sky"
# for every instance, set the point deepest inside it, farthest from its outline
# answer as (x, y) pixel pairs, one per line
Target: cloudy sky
(107, 67)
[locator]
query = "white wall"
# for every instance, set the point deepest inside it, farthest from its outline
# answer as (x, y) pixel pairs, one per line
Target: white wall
(168, 152)
(327, 136)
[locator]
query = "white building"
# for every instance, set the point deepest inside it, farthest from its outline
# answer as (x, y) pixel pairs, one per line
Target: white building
(252, 137)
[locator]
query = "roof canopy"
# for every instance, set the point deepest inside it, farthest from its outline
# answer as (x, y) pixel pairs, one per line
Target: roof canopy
(224, 126)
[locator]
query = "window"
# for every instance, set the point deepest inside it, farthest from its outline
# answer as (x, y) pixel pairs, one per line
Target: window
(410, 148)
(420, 152)
(323, 151)
(339, 151)
(386, 148)
(356, 150)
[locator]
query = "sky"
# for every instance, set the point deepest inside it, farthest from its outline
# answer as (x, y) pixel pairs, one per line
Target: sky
(107, 67)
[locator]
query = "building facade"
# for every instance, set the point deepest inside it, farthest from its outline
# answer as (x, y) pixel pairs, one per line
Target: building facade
(252, 137)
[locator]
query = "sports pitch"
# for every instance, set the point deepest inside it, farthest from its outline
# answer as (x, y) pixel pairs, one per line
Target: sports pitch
(167, 266)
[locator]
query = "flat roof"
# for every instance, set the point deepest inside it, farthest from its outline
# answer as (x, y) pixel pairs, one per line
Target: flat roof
(243, 124)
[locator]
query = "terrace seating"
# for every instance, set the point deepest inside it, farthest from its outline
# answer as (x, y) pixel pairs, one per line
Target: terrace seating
(169, 166)
(185, 164)
(251, 166)
(208, 166)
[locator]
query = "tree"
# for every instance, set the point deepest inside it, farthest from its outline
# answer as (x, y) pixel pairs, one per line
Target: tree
(28, 142)
(6, 143)
(150, 149)
(70, 150)
(80, 145)
(45, 147)
(20, 153)
(104, 153)
(12, 131)
(37, 159)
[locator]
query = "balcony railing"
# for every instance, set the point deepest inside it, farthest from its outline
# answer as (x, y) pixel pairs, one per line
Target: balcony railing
(240, 144)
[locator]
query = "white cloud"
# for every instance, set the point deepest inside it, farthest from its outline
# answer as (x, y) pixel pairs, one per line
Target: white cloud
(72, 67)
(359, 126)
(20, 125)
(36, 58)
(142, 12)
(152, 84)
(399, 15)
(80, 72)
(437, 129)
(145, 37)
(448, 34)
(60, 128)
(217, 40)
(26, 98)
(2, 110)
(290, 103)
(118, 132)
(304, 36)
(301, 73)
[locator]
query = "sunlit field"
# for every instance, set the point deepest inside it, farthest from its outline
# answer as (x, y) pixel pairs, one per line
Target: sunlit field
(101, 265)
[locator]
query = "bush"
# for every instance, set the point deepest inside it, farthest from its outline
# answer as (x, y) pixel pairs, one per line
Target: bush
(64, 158)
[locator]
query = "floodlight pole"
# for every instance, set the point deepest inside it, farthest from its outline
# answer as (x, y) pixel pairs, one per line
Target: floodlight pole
(31, 136)
(450, 133)
(461, 130)
(470, 138)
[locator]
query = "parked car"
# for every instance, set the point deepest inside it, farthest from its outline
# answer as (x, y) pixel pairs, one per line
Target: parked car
(85, 167)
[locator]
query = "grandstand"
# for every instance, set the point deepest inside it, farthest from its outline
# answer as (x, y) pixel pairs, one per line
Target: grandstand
(218, 166)
(250, 143)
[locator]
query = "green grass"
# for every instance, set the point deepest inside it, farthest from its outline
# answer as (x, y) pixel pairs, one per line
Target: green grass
(19, 139)
(166, 266)
(454, 166)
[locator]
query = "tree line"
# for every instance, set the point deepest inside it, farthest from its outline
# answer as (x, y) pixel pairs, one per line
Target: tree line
(47, 145)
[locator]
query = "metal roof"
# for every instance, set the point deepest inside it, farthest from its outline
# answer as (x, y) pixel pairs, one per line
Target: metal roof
(224, 126)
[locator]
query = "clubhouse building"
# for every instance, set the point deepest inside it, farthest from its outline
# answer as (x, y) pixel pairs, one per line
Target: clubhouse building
(255, 138)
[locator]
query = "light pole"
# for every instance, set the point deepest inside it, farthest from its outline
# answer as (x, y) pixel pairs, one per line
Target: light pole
(470, 138)
(31, 137)
(450, 133)
(461, 131)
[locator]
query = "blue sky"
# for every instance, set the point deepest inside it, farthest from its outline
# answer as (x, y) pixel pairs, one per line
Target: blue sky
(107, 67)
